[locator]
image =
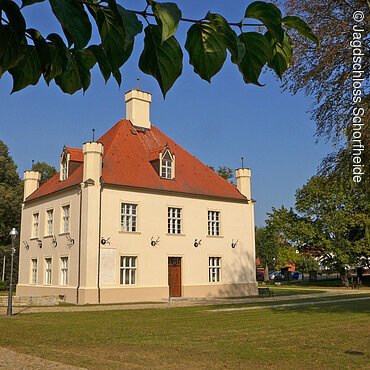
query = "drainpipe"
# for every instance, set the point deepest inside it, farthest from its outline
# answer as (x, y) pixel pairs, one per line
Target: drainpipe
(99, 244)
(79, 249)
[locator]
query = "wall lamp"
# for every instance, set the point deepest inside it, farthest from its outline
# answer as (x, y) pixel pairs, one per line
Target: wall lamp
(54, 242)
(153, 242)
(234, 244)
(39, 243)
(70, 241)
(104, 241)
(197, 243)
(26, 245)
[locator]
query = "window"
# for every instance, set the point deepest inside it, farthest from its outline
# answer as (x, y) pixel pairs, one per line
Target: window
(128, 217)
(128, 270)
(166, 166)
(174, 220)
(33, 270)
(49, 222)
(213, 223)
(35, 226)
(64, 270)
(48, 271)
(214, 268)
(65, 219)
(64, 170)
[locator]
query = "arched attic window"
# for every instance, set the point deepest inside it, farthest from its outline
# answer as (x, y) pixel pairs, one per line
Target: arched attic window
(167, 165)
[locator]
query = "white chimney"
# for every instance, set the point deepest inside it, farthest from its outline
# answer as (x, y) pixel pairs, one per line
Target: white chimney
(138, 108)
(243, 181)
(31, 182)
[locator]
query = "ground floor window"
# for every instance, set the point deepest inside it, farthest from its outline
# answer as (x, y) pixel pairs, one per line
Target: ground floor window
(128, 270)
(34, 271)
(214, 268)
(64, 270)
(48, 271)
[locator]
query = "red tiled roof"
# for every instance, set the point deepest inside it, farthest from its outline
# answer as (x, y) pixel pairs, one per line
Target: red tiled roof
(126, 161)
(76, 154)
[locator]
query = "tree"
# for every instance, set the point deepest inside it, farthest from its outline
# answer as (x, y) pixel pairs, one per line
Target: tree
(26, 54)
(11, 191)
(327, 74)
(45, 170)
(331, 214)
(267, 248)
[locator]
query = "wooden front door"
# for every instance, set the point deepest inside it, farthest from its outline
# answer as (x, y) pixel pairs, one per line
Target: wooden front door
(174, 276)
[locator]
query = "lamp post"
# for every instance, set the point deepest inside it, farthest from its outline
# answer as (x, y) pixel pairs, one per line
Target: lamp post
(13, 234)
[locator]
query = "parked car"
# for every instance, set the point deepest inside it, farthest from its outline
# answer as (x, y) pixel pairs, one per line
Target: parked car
(296, 275)
(276, 275)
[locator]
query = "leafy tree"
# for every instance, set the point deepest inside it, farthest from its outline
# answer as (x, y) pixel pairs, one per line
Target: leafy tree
(26, 54)
(267, 247)
(11, 191)
(45, 170)
(326, 74)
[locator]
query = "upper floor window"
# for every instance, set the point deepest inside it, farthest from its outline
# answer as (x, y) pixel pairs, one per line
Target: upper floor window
(128, 217)
(35, 225)
(213, 223)
(174, 220)
(64, 170)
(167, 165)
(49, 222)
(65, 219)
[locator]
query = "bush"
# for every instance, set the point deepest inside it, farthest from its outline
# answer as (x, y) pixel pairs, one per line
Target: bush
(3, 285)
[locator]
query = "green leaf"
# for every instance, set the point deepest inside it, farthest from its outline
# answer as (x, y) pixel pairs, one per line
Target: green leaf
(231, 40)
(301, 27)
(58, 54)
(118, 77)
(168, 16)
(113, 38)
(257, 53)
(30, 2)
(11, 51)
(27, 71)
(281, 54)
(42, 48)
(85, 61)
(102, 60)
(15, 17)
(131, 24)
(162, 60)
(270, 15)
(206, 48)
(74, 19)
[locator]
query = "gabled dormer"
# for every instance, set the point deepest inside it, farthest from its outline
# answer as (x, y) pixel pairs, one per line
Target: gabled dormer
(163, 161)
(70, 159)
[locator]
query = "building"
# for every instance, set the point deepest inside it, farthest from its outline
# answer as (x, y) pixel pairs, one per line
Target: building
(135, 217)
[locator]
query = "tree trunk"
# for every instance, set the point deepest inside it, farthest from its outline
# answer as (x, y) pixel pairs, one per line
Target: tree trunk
(344, 277)
(266, 274)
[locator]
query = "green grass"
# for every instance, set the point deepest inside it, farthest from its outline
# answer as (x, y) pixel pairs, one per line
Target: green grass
(330, 336)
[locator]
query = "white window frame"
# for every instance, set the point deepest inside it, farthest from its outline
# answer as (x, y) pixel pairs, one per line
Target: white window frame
(34, 263)
(64, 170)
(49, 222)
(214, 269)
(129, 217)
(214, 223)
(167, 165)
(65, 219)
(174, 220)
(35, 225)
(48, 270)
(64, 268)
(128, 270)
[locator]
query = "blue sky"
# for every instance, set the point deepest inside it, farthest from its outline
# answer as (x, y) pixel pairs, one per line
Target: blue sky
(219, 122)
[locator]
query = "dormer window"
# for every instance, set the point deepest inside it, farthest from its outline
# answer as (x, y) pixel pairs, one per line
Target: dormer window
(167, 165)
(64, 171)
(64, 159)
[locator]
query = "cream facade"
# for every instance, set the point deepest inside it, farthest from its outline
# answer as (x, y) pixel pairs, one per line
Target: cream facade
(101, 242)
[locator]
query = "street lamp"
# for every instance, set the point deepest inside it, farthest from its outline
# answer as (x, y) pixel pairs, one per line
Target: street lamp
(13, 234)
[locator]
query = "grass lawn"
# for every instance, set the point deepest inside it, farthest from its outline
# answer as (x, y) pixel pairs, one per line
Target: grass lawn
(330, 336)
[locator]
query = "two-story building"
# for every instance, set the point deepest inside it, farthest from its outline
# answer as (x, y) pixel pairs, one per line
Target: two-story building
(135, 217)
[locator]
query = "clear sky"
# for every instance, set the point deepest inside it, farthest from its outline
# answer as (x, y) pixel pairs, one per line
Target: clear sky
(218, 123)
